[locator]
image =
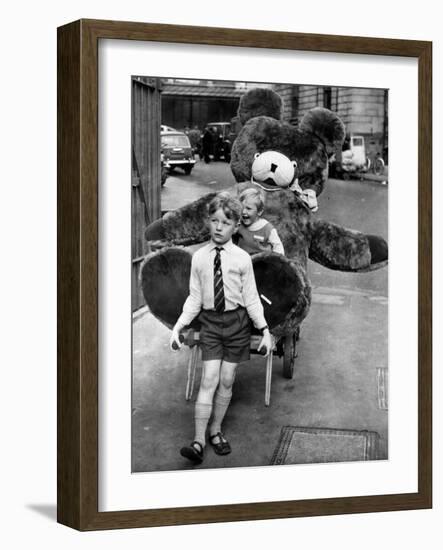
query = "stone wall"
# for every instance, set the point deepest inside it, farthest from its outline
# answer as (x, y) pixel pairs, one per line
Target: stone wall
(361, 109)
(288, 93)
(309, 97)
(366, 111)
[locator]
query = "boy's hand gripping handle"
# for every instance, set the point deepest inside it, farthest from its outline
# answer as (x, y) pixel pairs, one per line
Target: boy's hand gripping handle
(175, 347)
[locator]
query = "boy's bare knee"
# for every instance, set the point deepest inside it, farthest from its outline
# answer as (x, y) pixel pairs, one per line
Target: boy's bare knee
(209, 382)
(227, 380)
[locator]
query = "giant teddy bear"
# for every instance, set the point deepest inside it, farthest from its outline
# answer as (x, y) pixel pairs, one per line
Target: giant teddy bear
(283, 283)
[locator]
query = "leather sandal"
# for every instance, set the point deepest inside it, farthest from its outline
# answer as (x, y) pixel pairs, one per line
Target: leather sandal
(193, 452)
(222, 446)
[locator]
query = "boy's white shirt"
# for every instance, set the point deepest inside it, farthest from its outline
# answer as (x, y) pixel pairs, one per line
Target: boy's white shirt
(201, 284)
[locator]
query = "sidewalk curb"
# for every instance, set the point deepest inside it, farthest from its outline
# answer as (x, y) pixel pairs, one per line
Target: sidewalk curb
(373, 177)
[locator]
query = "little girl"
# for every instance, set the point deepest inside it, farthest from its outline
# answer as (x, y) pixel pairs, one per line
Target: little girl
(256, 234)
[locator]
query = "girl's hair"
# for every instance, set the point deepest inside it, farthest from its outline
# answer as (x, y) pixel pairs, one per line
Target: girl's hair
(256, 195)
(230, 206)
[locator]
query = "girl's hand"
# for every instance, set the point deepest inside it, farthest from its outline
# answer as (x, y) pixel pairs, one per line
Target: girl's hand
(266, 342)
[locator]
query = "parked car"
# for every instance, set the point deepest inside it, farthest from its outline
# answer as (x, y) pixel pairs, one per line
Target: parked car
(177, 151)
(352, 161)
(223, 137)
(164, 128)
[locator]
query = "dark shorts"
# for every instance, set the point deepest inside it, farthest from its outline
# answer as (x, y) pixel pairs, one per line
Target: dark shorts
(225, 335)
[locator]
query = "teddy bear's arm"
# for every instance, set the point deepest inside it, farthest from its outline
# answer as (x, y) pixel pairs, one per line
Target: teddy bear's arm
(184, 226)
(343, 249)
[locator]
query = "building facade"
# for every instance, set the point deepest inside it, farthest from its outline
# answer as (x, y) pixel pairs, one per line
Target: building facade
(364, 111)
(195, 103)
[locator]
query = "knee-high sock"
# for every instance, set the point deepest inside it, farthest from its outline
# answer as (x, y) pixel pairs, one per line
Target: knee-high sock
(221, 404)
(201, 416)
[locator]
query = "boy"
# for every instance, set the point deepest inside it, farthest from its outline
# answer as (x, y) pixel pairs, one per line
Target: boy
(256, 234)
(222, 290)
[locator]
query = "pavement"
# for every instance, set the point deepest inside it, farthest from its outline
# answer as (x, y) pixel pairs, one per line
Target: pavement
(340, 372)
(383, 178)
(336, 384)
(180, 188)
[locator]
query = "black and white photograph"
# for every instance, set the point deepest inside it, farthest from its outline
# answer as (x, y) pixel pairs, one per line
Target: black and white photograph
(259, 274)
(137, 135)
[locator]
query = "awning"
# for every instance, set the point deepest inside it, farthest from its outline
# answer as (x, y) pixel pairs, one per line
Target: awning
(202, 91)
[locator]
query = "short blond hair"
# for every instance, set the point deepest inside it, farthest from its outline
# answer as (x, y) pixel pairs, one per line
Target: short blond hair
(229, 204)
(256, 195)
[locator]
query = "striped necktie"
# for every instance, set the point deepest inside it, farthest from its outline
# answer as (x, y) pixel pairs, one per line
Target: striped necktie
(219, 293)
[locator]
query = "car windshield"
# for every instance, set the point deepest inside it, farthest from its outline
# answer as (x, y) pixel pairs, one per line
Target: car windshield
(219, 128)
(175, 141)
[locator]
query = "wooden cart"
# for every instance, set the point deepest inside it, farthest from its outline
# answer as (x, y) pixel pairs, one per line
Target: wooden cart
(165, 282)
(285, 347)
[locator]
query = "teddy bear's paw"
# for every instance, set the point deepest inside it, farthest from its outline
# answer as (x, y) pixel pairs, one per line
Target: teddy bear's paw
(283, 288)
(343, 249)
(164, 279)
(155, 231)
(184, 226)
(379, 252)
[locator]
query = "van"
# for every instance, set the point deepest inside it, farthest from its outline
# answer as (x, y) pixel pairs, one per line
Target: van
(176, 151)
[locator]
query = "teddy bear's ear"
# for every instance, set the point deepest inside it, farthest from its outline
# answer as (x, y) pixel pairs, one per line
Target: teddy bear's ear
(325, 124)
(259, 102)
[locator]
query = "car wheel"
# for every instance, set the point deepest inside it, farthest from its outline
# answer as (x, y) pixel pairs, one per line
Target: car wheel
(379, 166)
(187, 169)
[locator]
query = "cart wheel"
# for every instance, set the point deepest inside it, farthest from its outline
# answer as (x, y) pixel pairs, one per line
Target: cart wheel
(290, 353)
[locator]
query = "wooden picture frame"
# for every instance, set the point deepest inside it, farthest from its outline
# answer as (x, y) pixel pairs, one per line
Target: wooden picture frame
(77, 458)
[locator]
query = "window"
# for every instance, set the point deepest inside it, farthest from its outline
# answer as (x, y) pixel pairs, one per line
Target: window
(175, 141)
(327, 97)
